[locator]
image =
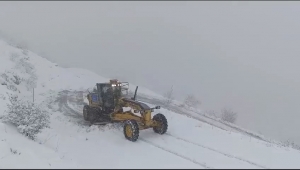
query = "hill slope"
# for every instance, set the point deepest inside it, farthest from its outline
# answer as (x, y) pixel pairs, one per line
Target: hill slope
(71, 143)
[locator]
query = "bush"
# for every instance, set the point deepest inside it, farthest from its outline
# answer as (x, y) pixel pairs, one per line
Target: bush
(228, 115)
(191, 101)
(9, 76)
(11, 80)
(28, 118)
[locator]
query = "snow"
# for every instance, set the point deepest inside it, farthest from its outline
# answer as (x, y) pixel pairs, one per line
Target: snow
(70, 143)
(28, 154)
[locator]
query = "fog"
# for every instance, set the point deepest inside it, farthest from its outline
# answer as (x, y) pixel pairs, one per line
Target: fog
(243, 55)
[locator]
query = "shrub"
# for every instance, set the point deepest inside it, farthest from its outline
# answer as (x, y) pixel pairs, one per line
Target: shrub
(191, 101)
(228, 115)
(26, 116)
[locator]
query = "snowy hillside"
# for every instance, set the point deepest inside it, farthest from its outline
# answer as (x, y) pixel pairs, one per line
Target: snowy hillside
(192, 141)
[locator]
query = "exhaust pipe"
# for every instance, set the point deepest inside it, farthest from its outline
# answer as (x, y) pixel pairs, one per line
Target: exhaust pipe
(134, 97)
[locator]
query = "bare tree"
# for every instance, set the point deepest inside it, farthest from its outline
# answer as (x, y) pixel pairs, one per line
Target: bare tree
(191, 101)
(228, 115)
(169, 96)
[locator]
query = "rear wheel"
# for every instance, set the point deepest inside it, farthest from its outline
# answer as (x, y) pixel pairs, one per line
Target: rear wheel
(163, 123)
(93, 115)
(86, 109)
(131, 130)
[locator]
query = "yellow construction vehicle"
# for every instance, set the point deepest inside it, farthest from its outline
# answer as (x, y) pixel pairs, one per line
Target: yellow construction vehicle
(106, 105)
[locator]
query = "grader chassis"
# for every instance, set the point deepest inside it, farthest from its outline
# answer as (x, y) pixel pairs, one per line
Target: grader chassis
(106, 104)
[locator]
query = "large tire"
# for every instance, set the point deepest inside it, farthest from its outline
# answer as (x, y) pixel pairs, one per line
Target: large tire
(86, 110)
(160, 118)
(131, 130)
(93, 115)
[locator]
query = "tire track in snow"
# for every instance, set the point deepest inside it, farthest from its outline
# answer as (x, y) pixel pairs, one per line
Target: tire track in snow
(176, 154)
(217, 151)
(76, 116)
(169, 151)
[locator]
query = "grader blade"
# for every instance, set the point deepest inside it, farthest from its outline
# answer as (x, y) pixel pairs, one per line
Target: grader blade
(101, 123)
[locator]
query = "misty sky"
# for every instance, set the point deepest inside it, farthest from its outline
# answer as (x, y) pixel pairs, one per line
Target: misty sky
(243, 55)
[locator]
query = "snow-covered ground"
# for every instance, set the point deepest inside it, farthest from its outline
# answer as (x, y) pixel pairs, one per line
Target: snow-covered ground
(71, 143)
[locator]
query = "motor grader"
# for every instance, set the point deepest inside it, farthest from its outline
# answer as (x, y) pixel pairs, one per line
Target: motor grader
(106, 105)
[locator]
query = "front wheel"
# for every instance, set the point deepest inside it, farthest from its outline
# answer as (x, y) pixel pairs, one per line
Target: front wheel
(131, 130)
(163, 123)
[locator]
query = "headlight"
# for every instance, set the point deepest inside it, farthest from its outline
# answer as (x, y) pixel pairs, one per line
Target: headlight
(113, 85)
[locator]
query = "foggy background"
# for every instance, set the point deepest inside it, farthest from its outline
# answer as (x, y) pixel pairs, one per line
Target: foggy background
(243, 55)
